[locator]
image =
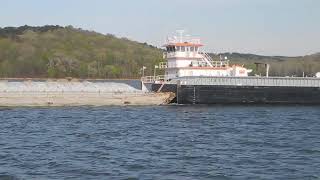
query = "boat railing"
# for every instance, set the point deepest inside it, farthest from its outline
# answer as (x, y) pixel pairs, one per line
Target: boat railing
(163, 65)
(220, 63)
(252, 81)
(153, 79)
(208, 59)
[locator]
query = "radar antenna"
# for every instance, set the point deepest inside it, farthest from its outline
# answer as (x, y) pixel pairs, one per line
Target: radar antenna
(180, 32)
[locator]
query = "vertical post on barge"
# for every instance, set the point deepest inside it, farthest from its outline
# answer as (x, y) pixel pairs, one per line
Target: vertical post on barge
(142, 69)
(178, 86)
(155, 70)
(267, 66)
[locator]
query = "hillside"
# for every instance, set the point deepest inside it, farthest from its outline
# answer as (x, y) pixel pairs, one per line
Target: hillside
(279, 65)
(57, 52)
(54, 51)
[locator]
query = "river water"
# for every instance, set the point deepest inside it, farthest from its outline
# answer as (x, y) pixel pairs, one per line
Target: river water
(160, 142)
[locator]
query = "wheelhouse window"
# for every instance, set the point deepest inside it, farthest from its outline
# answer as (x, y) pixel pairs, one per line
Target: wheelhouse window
(191, 48)
(171, 48)
(178, 48)
(183, 49)
(196, 49)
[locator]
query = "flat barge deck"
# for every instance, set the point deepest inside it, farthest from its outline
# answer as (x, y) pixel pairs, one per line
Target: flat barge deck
(243, 90)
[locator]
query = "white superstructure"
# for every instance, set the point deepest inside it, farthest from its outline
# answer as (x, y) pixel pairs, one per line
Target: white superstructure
(184, 57)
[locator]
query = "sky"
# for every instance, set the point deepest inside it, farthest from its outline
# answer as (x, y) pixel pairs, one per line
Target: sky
(265, 27)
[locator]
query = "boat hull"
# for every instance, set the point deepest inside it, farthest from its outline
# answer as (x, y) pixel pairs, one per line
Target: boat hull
(223, 94)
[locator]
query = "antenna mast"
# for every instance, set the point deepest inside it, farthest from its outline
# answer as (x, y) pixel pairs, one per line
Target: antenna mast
(180, 32)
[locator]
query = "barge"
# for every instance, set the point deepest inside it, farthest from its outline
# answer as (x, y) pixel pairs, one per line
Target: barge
(196, 78)
(62, 92)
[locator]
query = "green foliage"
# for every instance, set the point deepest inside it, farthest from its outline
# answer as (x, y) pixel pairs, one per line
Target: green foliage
(112, 71)
(57, 52)
(52, 72)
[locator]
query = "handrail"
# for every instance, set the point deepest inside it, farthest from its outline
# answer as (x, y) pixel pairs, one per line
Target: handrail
(163, 65)
(253, 81)
(206, 58)
(152, 79)
(213, 63)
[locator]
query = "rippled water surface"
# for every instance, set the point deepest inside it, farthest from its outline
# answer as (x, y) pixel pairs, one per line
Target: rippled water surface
(167, 142)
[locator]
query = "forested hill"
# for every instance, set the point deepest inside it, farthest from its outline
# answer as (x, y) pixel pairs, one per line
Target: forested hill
(58, 52)
(55, 51)
(308, 65)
